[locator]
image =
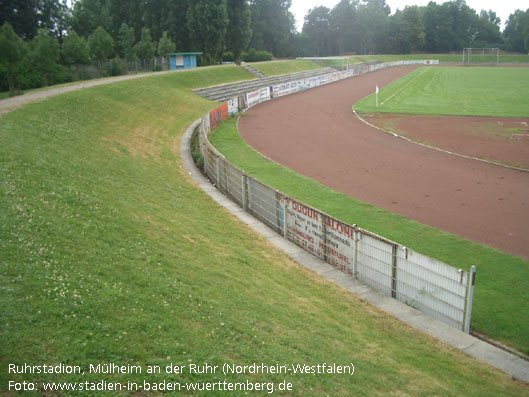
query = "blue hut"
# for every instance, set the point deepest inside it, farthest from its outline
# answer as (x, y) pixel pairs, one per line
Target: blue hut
(183, 60)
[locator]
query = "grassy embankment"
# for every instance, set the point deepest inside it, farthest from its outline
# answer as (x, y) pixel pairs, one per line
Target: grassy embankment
(111, 254)
(501, 305)
(275, 68)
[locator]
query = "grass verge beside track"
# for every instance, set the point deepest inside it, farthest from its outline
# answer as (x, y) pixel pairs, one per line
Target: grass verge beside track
(109, 253)
(501, 303)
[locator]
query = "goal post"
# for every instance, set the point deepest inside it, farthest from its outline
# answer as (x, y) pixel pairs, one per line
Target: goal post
(481, 56)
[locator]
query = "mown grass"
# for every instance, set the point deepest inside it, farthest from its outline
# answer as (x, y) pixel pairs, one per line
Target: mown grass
(341, 62)
(275, 68)
(471, 91)
(442, 58)
(109, 252)
(446, 58)
(501, 304)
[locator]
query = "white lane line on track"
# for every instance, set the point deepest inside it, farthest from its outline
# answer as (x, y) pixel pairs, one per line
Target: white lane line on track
(436, 148)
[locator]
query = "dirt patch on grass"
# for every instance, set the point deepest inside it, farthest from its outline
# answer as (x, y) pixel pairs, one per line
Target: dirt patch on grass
(501, 140)
(143, 142)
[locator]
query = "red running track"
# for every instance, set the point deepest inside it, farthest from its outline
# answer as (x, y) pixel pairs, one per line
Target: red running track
(316, 134)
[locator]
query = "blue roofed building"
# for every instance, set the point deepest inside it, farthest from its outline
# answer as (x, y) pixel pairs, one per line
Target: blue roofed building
(183, 60)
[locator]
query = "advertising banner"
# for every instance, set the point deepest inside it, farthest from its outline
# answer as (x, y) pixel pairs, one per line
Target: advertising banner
(257, 96)
(311, 82)
(264, 94)
(303, 226)
(233, 106)
(321, 235)
(252, 98)
(218, 115)
(286, 88)
(339, 242)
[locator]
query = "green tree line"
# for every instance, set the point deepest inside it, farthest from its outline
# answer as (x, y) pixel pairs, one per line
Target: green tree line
(43, 41)
(368, 27)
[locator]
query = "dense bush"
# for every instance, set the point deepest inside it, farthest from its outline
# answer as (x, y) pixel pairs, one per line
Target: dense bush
(116, 67)
(252, 55)
(228, 57)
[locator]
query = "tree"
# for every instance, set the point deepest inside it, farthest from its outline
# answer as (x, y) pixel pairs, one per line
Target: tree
(75, 49)
(342, 20)
(302, 45)
(12, 51)
(406, 31)
(165, 45)
(45, 54)
(371, 26)
(317, 29)
(238, 32)
(273, 26)
(55, 17)
(101, 45)
(487, 30)
(176, 24)
(88, 15)
(207, 23)
(464, 25)
(22, 15)
(516, 33)
(438, 27)
(145, 47)
(126, 42)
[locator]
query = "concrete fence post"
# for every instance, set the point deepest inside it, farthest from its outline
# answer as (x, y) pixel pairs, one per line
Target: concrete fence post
(285, 223)
(324, 235)
(394, 249)
(244, 192)
(470, 296)
(218, 174)
(280, 214)
(356, 236)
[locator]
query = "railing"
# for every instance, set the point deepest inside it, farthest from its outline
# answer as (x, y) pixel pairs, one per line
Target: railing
(426, 284)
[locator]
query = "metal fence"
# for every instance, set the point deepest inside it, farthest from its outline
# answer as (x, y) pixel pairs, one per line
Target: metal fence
(437, 289)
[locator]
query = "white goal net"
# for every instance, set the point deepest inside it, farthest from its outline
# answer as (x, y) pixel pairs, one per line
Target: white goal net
(481, 56)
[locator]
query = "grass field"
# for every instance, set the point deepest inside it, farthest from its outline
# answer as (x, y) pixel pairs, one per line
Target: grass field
(501, 303)
(111, 254)
(447, 58)
(274, 68)
(469, 91)
(443, 58)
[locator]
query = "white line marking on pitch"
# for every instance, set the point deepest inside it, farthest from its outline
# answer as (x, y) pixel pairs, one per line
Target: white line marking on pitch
(404, 86)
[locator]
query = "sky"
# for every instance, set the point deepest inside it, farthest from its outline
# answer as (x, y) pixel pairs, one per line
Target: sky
(503, 8)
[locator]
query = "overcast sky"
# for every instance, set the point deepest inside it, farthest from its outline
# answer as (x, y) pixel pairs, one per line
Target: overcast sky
(503, 8)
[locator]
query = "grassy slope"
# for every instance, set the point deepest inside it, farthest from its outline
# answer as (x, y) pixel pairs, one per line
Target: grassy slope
(110, 253)
(501, 303)
(455, 91)
(275, 68)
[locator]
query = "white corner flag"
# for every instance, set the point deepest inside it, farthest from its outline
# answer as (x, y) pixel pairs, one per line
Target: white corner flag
(376, 91)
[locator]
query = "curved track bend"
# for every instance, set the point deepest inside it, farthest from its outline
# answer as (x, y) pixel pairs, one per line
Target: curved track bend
(316, 134)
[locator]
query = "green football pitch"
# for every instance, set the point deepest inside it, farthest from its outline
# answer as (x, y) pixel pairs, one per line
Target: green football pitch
(472, 91)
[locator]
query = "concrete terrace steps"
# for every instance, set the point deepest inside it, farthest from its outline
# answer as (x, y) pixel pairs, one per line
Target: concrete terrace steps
(225, 92)
(254, 71)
